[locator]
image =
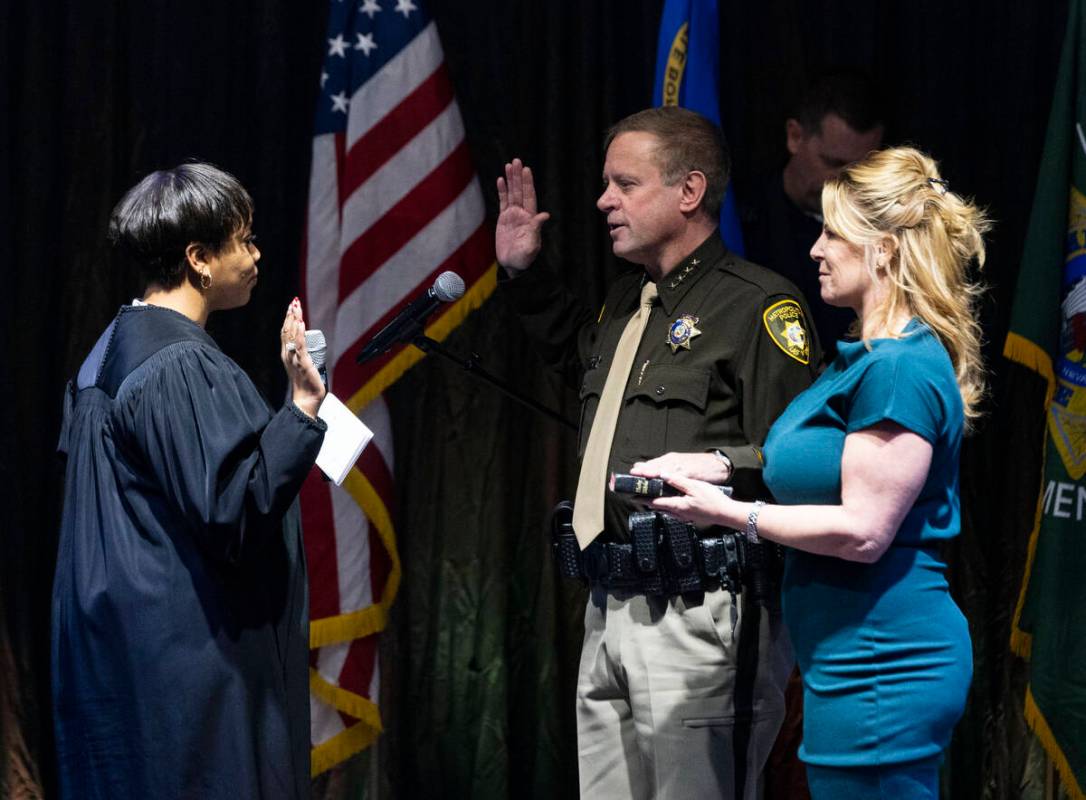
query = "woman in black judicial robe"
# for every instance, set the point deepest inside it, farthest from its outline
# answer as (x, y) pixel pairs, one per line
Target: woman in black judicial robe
(180, 617)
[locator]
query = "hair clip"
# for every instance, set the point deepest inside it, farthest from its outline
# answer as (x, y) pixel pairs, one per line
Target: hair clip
(940, 185)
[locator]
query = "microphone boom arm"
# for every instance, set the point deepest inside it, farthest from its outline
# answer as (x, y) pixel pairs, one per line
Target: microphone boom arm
(471, 365)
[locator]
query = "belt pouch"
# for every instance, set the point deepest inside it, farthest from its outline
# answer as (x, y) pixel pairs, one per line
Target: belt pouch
(567, 553)
(732, 571)
(643, 539)
(680, 538)
(643, 543)
(711, 552)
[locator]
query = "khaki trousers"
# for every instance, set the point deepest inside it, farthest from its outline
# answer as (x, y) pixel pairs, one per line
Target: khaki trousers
(657, 695)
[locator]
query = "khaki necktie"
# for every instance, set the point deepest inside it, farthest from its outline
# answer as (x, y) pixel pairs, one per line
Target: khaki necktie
(588, 505)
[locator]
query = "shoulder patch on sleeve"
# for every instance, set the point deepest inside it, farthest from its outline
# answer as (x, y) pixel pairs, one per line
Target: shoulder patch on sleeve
(788, 329)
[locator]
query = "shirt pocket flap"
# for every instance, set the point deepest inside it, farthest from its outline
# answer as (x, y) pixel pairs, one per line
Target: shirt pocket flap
(666, 384)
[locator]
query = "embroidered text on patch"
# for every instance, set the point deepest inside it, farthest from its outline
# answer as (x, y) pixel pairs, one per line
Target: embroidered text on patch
(787, 328)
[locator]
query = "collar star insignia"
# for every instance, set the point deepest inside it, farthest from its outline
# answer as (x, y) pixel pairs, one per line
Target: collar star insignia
(682, 331)
(682, 275)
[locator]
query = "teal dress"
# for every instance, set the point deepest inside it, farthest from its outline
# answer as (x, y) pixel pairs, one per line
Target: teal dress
(884, 651)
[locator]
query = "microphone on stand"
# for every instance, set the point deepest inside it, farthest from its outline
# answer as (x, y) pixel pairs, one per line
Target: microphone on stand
(406, 325)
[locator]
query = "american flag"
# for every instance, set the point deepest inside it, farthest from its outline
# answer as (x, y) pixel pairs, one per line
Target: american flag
(393, 202)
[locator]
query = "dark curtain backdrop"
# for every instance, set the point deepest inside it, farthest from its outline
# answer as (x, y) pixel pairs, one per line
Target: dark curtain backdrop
(480, 660)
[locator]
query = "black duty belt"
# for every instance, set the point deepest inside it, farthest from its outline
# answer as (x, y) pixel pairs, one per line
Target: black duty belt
(665, 556)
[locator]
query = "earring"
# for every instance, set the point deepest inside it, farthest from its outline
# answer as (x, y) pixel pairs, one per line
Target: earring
(205, 280)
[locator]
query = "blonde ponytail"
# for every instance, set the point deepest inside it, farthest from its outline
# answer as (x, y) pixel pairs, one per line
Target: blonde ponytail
(898, 194)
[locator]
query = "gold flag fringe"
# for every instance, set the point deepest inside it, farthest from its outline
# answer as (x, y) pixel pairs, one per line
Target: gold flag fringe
(373, 619)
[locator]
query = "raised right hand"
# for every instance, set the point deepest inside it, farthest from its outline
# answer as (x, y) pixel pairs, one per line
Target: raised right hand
(517, 236)
(306, 387)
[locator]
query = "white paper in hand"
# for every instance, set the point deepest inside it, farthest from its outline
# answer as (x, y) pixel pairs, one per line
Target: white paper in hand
(344, 440)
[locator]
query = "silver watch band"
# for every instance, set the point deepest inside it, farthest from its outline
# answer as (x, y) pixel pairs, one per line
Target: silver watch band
(751, 531)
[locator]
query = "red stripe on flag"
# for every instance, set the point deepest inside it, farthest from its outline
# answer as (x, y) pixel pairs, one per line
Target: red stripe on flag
(470, 261)
(395, 130)
(319, 539)
(357, 672)
(403, 221)
(359, 666)
(361, 660)
(373, 465)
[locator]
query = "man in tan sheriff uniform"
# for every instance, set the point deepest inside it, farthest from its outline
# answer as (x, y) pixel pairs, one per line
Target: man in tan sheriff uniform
(692, 358)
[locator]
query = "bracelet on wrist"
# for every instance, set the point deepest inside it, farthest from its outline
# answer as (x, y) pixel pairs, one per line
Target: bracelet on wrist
(751, 531)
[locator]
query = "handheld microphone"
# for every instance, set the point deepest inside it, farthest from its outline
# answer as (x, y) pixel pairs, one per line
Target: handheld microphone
(406, 325)
(317, 348)
(649, 488)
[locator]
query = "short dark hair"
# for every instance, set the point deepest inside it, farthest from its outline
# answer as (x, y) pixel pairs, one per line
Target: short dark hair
(688, 141)
(164, 213)
(849, 94)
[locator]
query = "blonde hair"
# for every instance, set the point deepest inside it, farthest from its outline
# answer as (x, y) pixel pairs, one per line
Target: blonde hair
(935, 234)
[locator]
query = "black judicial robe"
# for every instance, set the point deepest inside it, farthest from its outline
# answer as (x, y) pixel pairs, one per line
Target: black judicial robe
(180, 608)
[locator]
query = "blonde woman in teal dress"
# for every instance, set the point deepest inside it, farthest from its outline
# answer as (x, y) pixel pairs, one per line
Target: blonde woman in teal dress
(864, 470)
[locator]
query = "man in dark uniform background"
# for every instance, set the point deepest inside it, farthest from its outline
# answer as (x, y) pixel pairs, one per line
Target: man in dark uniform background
(838, 121)
(679, 695)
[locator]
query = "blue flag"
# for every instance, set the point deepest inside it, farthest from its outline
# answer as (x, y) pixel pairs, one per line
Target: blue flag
(687, 71)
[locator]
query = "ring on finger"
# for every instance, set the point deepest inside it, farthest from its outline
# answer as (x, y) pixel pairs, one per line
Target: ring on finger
(291, 347)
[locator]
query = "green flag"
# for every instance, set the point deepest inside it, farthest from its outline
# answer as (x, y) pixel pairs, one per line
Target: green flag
(1048, 335)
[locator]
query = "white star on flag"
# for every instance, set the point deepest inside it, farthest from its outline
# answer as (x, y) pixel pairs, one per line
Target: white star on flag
(405, 7)
(324, 78)
(338, 46)
(369, 7)
(365, 43)
(340, 102)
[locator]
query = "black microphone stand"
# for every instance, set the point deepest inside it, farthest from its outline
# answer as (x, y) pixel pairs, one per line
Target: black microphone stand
(471, 365)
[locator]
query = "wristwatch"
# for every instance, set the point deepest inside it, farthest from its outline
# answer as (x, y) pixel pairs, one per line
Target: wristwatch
(727, 463)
